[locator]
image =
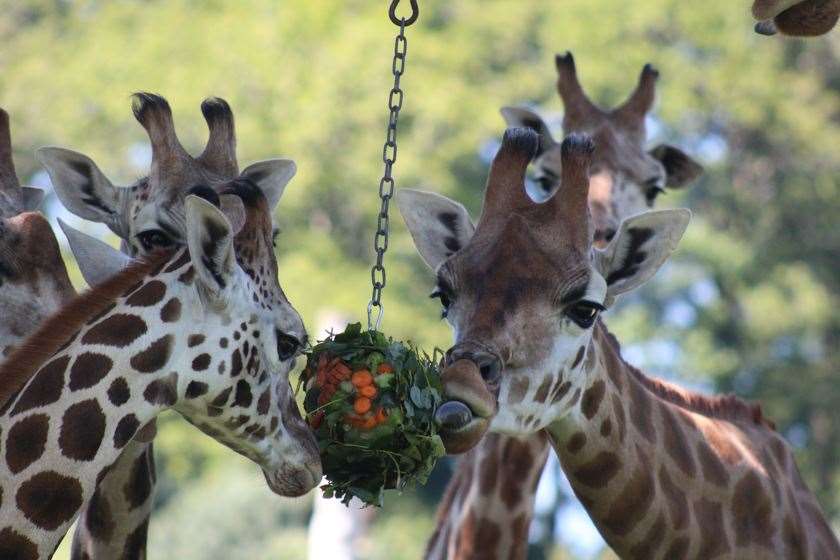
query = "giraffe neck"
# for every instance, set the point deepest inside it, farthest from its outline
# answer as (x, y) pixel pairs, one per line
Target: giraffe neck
(489, 504)
(664, 475)
(69, 424)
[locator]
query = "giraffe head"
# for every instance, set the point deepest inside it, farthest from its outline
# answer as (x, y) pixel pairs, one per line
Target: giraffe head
(33, 278)
(149, 215)
(257, 415)
(798, 18)
(625, 177)
(523, 289)
(239, 279)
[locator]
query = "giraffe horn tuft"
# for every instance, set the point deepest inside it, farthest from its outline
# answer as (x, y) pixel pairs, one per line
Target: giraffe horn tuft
(633, 110)
(578, 108)
(168, 155)
(220, 153)
(505, 190)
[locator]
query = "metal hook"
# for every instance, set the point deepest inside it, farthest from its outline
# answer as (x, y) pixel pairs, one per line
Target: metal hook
(392, 13)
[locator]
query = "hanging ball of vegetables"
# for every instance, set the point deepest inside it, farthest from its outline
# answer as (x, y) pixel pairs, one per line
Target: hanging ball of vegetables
(372, 402)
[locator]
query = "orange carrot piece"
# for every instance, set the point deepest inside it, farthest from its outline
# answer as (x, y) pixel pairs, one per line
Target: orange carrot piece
(362, 405)
(385, 367)
(368, 391)
(362, 378)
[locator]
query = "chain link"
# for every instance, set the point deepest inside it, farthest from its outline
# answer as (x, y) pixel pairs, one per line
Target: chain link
(389, 157)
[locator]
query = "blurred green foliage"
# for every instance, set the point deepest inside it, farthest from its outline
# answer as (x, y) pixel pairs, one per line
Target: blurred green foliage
(747, 305)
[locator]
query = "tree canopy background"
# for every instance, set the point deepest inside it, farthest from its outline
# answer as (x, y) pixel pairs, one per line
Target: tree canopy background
(748, 303)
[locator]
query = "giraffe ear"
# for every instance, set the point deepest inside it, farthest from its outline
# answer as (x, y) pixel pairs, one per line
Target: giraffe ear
(271, 176)
(97, 260)
(643, 243)
(210, 242)
(83, 188)
(439, 226)
(519, 117)
(680, 169)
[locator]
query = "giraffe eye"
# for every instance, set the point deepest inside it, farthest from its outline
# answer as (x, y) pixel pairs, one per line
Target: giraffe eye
(653, 188)
(584, 313)
(287, 346)
(445, 300)
(546, 182)
(154, 239)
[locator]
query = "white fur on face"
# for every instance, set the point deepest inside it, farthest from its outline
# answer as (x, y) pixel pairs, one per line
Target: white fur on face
(553, 377)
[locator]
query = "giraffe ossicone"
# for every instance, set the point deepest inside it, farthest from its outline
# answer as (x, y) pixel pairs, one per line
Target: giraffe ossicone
(663, 472)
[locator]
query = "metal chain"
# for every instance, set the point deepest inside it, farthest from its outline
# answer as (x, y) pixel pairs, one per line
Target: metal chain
(389, 157)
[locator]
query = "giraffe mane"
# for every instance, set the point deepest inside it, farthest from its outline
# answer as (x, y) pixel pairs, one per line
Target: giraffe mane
(56, 331)
(723, 407)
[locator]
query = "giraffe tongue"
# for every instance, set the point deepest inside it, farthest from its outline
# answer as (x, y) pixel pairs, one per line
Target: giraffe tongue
(453, 415)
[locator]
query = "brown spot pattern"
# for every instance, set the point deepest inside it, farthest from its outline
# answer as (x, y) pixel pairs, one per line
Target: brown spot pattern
(14, 546)
(640, 412)
(542, 390)
(138, 487)
(243, 396)
(751, 512)
(49, 499)
(630, 505)
(171, 312)
(118, 330)
(675, 499)
(98, 517)
(592, 398)
(675, 442)
(148, 295)
(709, 516)
(599, 471)
(195, 340)
(711, 466)
(45, 388)
(88, 370)
(561, 391)
(201, 362)
(126, 428)
(620, 418)
(154, 357)
(82, 430)
(489, 471)
(678, 549)
(576, 442)
(606, 427)
(518, 389)
(650, 543)
(196, 389)
(264, 402)
(162, 391)
(26, 441)
(118, 392)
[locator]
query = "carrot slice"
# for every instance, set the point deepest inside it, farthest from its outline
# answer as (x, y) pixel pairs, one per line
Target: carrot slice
(368, 391)
(385, 367)
(362, 405)
(362, 378)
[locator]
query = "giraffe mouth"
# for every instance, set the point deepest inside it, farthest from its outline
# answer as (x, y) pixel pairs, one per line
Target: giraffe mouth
(465, 416)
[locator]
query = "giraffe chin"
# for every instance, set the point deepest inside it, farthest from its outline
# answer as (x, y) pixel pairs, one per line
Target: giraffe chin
(292, 481)
(465, 438)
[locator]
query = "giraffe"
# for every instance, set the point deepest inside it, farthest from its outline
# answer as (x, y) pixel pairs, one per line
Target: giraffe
(148, 216)
(798, 18)
(663, 472)
(33, 279)
(625, 180)
(131, 354)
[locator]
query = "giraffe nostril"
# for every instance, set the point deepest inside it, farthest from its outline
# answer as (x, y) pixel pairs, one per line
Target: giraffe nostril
(609, 234)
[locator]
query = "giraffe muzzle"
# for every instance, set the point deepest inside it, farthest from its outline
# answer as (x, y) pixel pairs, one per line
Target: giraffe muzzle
(469, 406)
